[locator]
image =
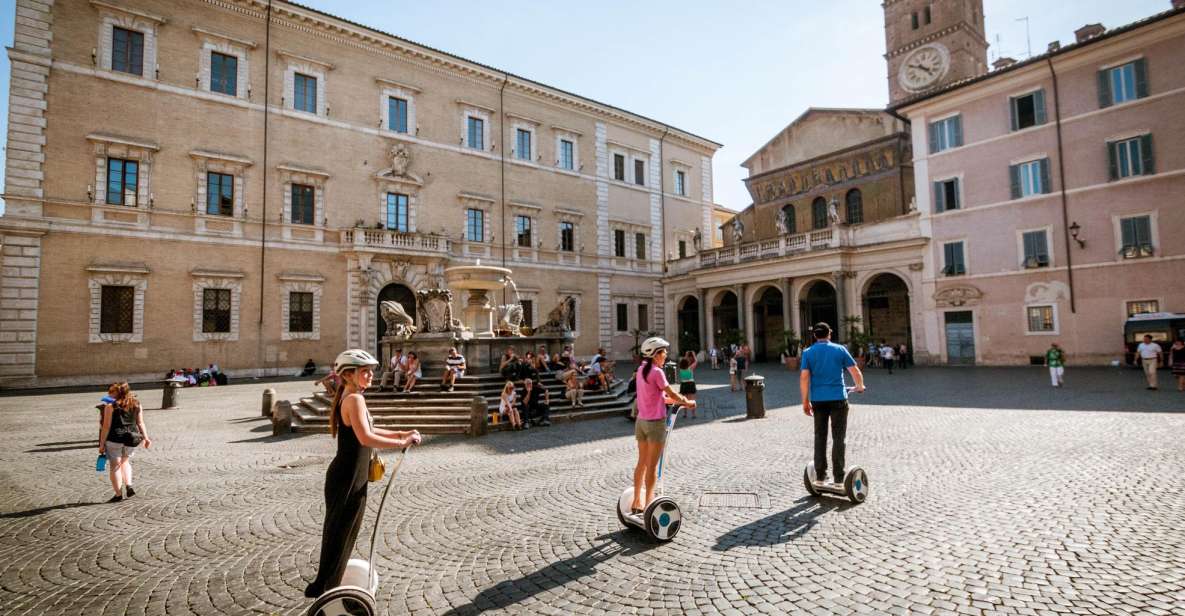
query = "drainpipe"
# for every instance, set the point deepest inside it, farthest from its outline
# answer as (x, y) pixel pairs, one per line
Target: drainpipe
(267, 58)
(1061, 173)
(502, 159)
(662, 198)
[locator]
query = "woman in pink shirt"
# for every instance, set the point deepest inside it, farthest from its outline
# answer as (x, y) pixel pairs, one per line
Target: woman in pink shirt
(654, 393)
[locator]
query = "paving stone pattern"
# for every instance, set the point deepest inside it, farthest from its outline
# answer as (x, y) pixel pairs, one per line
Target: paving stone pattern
(991, 494)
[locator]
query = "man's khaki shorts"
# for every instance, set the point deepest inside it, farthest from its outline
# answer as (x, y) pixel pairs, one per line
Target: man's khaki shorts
(654, 430)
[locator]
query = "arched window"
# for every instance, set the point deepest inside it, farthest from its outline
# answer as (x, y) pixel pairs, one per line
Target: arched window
(788, 216)
(855, 204)
(819, 213)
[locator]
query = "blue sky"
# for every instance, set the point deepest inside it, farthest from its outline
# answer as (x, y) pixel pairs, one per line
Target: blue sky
(734, 75)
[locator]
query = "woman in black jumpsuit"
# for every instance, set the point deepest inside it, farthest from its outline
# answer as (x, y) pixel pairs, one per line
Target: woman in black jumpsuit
(345, 481)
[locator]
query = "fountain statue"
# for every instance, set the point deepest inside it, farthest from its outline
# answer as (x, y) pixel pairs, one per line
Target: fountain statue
(399, 323)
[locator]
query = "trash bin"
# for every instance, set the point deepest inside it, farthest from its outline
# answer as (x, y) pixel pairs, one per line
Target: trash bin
(171, 395)
(754, 396)
(671, 369)
(269, 398)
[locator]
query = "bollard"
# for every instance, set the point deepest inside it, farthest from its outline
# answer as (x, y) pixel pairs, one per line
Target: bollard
(754, 396)
(477, 416)
(170, 396)
(269, 398)
(282, 418)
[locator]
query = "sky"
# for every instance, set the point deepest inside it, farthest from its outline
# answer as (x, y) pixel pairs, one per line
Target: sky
(733, 72)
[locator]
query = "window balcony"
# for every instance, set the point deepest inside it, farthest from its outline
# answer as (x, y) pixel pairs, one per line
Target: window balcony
(383, 240)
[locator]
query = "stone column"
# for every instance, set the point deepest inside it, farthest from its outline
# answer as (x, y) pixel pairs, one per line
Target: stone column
(701, 296)
(839, 279)
(744, 313)
(795, 312)
(787, 323)
(708, 319)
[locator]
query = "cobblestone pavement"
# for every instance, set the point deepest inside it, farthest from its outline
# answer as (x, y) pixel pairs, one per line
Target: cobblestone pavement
(991, 494)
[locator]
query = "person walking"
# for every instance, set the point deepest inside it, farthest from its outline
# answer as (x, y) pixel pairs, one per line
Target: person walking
(824, 397)
(1055, 358)
(1150, 354)
(687, 379)
(345, 480)
(650, 430)
(122, 433)
(732, 373)
(1177, 362)
(902, 356)
(887, 356)
(714, 354)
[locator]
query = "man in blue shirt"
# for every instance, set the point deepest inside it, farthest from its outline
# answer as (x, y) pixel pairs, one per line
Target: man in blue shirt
(825, 398)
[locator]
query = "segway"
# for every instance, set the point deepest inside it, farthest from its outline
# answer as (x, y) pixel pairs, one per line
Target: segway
(854, 486)
(355, 595)
(662, 517)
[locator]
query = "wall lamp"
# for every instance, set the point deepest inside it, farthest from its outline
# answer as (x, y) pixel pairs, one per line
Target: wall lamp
(1075, 228)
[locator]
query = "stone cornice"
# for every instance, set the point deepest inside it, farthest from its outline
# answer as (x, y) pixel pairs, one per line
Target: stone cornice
(226, 37)
(230, 158)
(119, 268)
(119, 9)
(108, 138)
(210, 273)
(295, 56)
(397, 84)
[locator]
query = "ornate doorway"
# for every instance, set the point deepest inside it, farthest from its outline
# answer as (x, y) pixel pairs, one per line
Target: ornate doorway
(392, 292)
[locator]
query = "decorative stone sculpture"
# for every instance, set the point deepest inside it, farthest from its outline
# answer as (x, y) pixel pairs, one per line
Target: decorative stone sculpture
(435, 307)
(559, 319)
(399, 323)
(400, 159)
(510, 320)
(780, 222)
(833, 211)
(697, 238)
(738, 229)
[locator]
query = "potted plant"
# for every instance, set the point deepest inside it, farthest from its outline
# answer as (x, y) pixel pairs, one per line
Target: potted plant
(857, 340)
(789, 349)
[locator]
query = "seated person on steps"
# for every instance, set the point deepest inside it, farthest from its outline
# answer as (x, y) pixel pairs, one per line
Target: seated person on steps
(535, 403)
(454, 366)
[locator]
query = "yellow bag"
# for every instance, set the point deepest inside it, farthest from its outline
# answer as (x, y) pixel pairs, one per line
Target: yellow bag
(377, 468)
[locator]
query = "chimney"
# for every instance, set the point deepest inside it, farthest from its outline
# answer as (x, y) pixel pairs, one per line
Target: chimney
(1003, 62)
(1056, 45)
(1089, 31)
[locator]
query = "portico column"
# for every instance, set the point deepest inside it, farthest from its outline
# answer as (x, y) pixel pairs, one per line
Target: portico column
(744, 313)
(702, 296)
(784, 284)
(795, 312)
(841, 304)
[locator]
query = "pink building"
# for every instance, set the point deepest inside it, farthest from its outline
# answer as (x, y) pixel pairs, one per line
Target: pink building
(1053, 194)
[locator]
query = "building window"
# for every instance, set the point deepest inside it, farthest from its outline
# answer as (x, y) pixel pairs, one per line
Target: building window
(127, 51)
(913, 20)
(396, 114)
(567, 237)
(643, 317)
(855, 206)
(953, 263)
(640, 245)
(522, 230)
(304, 93)
(946, 195)
(475, 225)
(397, 212)
(1136, 236)
(682, 249)
(1031, 178)
(216, 311)
(220, 194)
(1130, 157)
(224, 73)
(618, 243)
(117, 310)
(639, 172)
(819, 214)
(788, 216)
(476, 133)
(528, 312)
(1041, 319)
(1036, 249)
(946, 134)
(926, 15)
(122, 179)
(522, 144)
(681, 183)
(619, 167)
(300, 311)
(302, 204)
(1143, 306)
(1028, 110)
(1123, 83)
(623, 317)
(567, 154)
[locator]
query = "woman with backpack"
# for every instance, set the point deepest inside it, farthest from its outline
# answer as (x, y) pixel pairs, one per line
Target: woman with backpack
(122, 432)
(654, 392)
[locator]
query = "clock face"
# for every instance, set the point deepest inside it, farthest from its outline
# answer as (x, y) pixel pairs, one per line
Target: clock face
(923, 67)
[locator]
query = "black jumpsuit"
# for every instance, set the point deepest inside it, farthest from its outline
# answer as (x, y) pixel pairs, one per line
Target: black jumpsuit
(345, 505)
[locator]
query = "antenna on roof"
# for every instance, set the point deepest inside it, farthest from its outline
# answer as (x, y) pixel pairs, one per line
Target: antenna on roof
(1028, 42)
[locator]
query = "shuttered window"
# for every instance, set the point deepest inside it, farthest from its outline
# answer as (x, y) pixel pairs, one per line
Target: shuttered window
(1120, 84)
(946, 134)
(117, 309)
(216, 311)
(953, 263)
(1030, 178)
(946, 195)
(300, 311)
(127, 51)
(1130, 157)
(1136, 235)
(1028, 110)
(1036, 247)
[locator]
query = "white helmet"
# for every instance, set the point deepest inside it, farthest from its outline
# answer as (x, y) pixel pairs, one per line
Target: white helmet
(353, 358)
(654, 345)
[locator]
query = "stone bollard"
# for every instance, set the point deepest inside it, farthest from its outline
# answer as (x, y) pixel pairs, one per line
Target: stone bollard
(269, 398)
(170, 396)
(477, 416)
(754, 396)
(281, 418)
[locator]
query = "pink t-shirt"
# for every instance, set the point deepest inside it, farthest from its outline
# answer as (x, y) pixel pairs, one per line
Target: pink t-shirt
(650, 394)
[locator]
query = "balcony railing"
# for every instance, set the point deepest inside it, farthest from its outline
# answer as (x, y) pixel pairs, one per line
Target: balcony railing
(383, 239)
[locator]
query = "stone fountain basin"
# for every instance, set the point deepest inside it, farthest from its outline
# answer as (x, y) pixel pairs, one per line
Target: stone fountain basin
(486, 277)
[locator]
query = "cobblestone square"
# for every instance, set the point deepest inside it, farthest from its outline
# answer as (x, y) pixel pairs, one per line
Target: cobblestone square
(991, 493)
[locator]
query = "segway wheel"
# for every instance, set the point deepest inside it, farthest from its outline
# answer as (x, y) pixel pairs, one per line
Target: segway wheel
(808, 479)
(623, 506)
(344, 601)
(855, 484)
(663, 518)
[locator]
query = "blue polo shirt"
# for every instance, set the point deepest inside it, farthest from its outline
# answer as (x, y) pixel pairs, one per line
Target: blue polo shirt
(827, 362)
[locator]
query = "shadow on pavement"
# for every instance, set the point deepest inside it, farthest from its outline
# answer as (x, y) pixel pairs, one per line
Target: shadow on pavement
(782, 526)
(91, 444)
(269, 437)
(555, 575)
(40, 510)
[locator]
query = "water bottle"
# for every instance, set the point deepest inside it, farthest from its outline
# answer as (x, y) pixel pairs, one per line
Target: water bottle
(100, 463)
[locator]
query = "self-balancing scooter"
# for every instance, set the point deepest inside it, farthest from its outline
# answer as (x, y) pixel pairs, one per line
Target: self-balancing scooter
(854, 486)
(662, 517)
(355, 595)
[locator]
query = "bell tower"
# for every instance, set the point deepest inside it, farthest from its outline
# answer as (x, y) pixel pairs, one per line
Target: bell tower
(930, 43)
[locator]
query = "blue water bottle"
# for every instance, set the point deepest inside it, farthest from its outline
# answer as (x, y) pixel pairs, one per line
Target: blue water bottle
(100, 463)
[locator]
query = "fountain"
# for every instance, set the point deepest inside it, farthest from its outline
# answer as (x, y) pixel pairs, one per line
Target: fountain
(478, 280)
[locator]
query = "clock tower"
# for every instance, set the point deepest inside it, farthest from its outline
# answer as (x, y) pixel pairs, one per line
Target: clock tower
(931, 43)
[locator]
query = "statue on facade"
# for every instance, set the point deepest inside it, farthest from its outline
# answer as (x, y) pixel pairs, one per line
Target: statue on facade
(780, 221)
(400, 157)
(559, 320)
(738, 229)
(833, 211)
(399, 323)
(697, 238)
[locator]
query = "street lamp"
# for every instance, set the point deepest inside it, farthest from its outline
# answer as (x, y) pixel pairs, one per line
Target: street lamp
(1075, 228)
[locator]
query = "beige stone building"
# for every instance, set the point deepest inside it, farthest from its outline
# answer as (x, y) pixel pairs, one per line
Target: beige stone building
(202, 181)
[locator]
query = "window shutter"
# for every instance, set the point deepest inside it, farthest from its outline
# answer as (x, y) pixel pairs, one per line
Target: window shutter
(1046, 185)
(954, 202)
(939, 198)
(1104, 89)
(1146, 154)
(1012, 122)
(948, 258)
(933, 138)
(1014, 176)
(1039, 106)
(1112, 162)
(957, 129)
(1143, 230)
(1141, 70)
(1127, 232)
